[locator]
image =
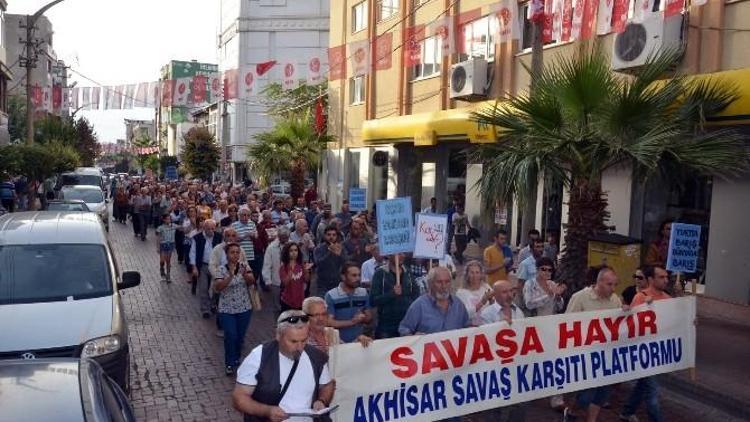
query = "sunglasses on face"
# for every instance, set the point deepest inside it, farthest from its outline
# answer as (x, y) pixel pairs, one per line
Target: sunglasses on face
(296, 319)
(638, 277)
(545, 269)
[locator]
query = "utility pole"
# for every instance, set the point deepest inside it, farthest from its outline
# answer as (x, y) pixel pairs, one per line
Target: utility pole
(29, 62)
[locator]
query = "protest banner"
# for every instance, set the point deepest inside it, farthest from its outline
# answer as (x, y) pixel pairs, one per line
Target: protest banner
(394, 225)
(170, 173)
(684, 243)
(454, 373)
(358, 199)
(431, 236)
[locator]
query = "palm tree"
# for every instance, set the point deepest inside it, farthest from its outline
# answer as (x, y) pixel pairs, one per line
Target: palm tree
(583, 119)
(293, 146)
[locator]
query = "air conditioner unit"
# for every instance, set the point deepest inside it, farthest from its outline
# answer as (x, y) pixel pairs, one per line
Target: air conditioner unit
(469, 78)
(642, 39)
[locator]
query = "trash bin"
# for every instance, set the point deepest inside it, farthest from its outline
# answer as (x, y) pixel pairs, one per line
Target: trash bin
(621, 253)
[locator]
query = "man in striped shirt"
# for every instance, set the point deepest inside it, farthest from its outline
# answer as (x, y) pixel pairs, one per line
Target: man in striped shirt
(246, 232)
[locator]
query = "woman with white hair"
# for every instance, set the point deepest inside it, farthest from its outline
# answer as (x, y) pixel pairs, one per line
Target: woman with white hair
(476, 293)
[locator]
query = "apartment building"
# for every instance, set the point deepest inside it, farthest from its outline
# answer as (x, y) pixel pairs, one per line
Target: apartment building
(404, 127)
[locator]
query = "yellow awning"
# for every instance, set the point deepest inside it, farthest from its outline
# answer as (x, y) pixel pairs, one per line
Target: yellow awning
(426, 129)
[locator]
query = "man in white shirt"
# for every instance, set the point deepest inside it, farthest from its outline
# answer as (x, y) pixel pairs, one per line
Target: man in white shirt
(272, 265)
(503, 309)
(371, 265)
(300, 370)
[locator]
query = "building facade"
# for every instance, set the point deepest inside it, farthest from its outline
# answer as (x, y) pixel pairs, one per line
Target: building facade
(171, 120)
(405, 130)
(261, 31)
(138, 129)
(6, 76)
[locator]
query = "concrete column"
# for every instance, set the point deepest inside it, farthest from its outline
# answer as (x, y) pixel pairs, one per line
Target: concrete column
(728, 268)
(617, 183)
(473, 195)
(538, 222)
(429, 177)
(393, 158)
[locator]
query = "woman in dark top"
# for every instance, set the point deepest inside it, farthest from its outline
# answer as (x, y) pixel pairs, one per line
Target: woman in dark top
(294, 277)
(640, 283)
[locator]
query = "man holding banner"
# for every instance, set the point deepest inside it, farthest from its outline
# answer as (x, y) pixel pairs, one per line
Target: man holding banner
(392, 297)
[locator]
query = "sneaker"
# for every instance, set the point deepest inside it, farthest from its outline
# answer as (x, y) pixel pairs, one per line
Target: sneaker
(628, 418)
(568, 415)
(161, 271)
(220, 333)
(229, 371)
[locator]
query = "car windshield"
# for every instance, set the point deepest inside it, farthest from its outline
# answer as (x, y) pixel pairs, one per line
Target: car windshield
(81, 179)
(63, 206)
(90, 196)
(53, 272)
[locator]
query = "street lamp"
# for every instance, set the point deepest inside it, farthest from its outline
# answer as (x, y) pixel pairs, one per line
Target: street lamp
(30, 64)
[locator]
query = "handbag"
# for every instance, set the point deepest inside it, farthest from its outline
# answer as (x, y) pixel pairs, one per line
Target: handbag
(255, 299)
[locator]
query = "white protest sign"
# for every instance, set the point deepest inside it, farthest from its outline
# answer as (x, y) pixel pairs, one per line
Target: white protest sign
(431, 236)
(453, 373)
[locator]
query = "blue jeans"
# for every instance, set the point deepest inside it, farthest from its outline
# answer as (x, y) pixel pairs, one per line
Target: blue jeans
(645, 389)
(234, 326)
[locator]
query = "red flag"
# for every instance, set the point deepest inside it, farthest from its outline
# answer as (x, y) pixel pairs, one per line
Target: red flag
(199, 89)
(359, 51)
(547, 22)
(384, 51)
(413, 37)
(262, 68)
(620, 15)
(320, 118)
(167, 88)
(56, 97)
(536, 10)
(567, 19)
(590, 10)
(337, 63)
(313, 71)
(673, 8)
(230, 84)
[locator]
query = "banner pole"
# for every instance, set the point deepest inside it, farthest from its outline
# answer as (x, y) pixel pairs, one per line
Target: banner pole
(398, 270)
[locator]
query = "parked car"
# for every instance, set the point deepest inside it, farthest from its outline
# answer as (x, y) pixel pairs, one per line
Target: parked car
(84, 176)
(92, 196)
(60, 291)
(67, 205)
(62, 389)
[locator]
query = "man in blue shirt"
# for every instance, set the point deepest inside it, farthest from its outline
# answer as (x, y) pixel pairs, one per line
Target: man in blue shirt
(8, 195)
(349, 304)
(435, 311)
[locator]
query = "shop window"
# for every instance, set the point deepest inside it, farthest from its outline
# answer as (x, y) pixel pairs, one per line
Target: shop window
(357, 90)
(387, 8)
(359, 16)
(431, 58)
(478, 38)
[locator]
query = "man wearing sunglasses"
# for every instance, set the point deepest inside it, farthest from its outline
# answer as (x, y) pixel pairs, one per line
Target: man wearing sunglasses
(283, 376)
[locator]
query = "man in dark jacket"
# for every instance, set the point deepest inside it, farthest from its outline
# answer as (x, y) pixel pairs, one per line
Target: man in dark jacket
(200, 257)
(283, 376)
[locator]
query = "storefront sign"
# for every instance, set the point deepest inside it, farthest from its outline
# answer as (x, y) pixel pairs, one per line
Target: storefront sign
(431, 236)
(684, 243)
(448, 374)
(358, 199)
(395, 228)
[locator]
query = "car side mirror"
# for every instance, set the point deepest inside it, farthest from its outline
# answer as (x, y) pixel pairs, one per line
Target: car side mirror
(129, 279)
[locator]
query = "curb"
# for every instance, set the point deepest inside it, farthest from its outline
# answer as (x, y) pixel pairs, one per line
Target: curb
(701, 393)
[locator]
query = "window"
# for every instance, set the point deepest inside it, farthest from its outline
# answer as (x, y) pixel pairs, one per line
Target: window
(479, 38)
(357, 90)
(432, 56)
(387, 8)
(359, 16)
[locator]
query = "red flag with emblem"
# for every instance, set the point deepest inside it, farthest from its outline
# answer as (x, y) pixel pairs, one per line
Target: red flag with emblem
(199, 90)
(337, 63)
(384, 51)
(263, 68)
(590, 10)
(412, 45)
(166, 90)
(359, 52)
(673, 8)
(620, 15)
(230, 84)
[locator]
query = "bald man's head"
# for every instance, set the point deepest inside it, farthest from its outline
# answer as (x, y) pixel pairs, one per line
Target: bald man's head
(503, 290)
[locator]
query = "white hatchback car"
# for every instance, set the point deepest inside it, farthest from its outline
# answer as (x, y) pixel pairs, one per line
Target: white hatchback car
(92, 196)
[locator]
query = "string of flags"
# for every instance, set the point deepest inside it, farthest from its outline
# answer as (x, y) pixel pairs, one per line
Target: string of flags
(562, 21)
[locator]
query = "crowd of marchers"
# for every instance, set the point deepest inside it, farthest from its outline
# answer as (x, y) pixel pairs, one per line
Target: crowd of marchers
(328, 284)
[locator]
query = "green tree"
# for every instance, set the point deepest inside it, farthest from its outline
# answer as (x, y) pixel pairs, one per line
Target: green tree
(285, 103)
(17, 118)
(201, 154)
(55, 128)
(143, 142)
(87, 143)
(152, 163)
(40, 161)
(583, 119)
(166, 161)
(292, 145)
